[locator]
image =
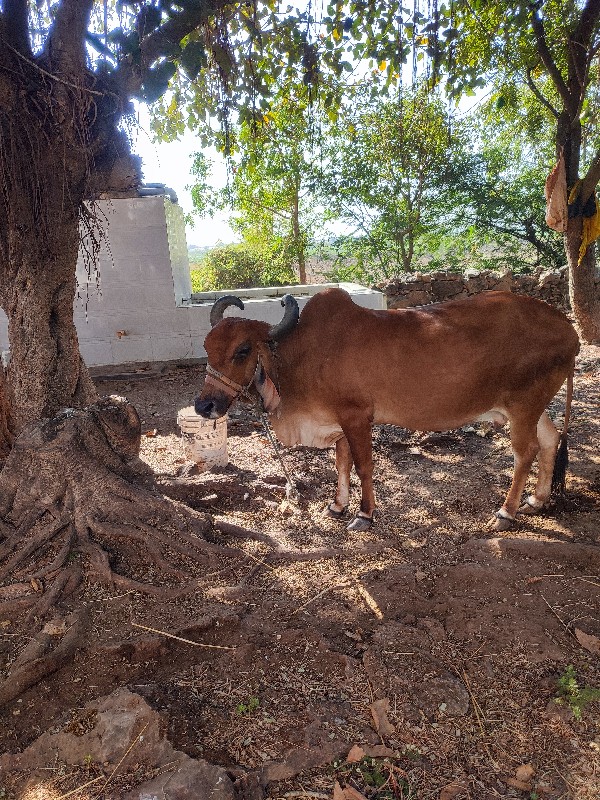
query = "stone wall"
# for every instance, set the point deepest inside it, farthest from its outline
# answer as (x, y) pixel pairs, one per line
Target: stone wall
(417, 289)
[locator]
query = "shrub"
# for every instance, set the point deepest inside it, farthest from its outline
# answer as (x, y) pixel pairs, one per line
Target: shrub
(237, 266)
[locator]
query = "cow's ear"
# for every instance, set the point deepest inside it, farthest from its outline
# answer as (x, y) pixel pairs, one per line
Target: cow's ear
(266, 389)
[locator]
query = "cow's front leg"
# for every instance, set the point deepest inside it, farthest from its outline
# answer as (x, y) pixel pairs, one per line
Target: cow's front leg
(343, 463)
(360, 440)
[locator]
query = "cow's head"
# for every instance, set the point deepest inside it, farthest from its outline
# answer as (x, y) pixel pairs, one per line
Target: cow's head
(240, 357)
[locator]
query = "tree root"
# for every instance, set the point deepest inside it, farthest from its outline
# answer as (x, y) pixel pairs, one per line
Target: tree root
(73, 508)
(35, 662)
(78, 507)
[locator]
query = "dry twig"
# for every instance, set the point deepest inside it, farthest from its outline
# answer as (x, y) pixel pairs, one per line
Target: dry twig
(181, 639)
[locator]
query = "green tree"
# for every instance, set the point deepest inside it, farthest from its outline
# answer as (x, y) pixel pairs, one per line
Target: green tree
(242, 266)
(68, 76)
(549, 46)
(271, 180)
(508, 201)
(394, 170)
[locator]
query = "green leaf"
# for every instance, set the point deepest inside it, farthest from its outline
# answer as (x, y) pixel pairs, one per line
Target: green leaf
(148, 19)
(156, 81)
(193, 58)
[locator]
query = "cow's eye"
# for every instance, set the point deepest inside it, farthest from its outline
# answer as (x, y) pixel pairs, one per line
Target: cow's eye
(242, 353)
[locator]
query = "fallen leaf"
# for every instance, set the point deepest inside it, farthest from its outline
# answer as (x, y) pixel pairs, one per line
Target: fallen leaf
(379, 710)
(378, 751)
(591, 643)
(524, 773)
(451, 791)
(286, 508)
(524, 787)
(151, 433)
(55, 628)
(356, 754)
(352, 794)
(338, 792)
(36, 585)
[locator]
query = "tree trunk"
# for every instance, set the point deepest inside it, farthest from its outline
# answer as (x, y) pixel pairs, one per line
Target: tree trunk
(75, 502)
(583, 283)
(298, 240)
(46, 372)
(6, 435)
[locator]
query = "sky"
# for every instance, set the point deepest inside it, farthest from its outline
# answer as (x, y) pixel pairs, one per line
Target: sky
(170, 163)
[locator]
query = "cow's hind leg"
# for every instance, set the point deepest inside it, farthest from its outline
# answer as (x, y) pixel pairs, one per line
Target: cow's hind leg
(343, 463)
(548, 439)
(524, 440)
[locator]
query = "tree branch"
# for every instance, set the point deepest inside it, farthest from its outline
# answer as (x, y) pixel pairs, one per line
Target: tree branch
(587, 22)
(540, 96)
(548, 61)
(129, 75)
(591, 179)
(580, 51)
(15, 25)
(65, 46)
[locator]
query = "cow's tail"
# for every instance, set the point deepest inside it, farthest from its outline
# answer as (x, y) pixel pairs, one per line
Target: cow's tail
(562, 454)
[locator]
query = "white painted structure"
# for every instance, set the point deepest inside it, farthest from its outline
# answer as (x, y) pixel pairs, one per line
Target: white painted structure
(137, 304)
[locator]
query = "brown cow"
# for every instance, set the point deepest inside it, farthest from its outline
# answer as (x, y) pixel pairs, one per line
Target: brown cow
(328, 375)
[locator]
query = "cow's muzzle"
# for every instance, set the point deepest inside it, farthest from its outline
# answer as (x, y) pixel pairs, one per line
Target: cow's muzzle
(218, 394)
(212, 407)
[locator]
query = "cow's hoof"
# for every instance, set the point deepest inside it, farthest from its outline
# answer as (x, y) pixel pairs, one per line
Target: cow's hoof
(500, 522)
(360, 524)
(531, 506)
(333, 514)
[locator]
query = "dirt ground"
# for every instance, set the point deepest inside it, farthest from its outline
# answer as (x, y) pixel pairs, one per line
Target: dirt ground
(460, 661)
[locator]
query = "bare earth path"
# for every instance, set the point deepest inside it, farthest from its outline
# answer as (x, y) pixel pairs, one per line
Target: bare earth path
(430, 642)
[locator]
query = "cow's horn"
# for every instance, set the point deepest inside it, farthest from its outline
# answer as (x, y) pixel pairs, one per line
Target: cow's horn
(216, 312)
(290, 318)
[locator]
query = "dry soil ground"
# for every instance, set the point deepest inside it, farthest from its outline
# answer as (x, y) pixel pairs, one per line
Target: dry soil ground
(461, 661)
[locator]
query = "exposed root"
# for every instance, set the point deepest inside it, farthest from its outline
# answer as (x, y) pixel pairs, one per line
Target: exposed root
(63, 585)
(73, 508)
(39, 659)
(42, 538)
(237, 532)
(15, 608)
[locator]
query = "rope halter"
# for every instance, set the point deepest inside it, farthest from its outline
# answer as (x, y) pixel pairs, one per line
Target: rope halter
(234, 390)
(230, 387)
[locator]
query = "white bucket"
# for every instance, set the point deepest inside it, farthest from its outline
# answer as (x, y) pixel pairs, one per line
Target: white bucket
(204, 440)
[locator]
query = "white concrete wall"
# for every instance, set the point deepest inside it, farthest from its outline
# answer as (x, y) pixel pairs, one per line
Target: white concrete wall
(136, 306)
(131, 313)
